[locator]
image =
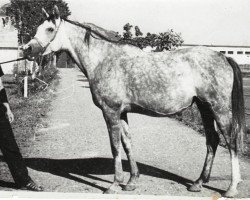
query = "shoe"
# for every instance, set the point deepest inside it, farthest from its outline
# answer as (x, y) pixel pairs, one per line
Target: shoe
(32, 186)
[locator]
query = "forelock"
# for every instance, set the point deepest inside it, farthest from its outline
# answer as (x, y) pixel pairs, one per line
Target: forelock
(52, 18)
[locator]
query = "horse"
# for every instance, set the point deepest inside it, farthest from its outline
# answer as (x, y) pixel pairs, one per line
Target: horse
(124, 79)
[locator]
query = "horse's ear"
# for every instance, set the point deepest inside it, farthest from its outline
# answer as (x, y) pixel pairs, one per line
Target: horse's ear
(56, 12)
(45, 13)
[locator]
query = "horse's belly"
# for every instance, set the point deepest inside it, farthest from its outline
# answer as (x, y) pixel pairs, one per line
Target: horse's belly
(167, 101)
(166, 107)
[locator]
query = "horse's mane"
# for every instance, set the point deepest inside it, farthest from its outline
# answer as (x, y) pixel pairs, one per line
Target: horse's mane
(110, 36)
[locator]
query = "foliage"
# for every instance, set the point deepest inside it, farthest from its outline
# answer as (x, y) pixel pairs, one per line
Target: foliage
(127, 35)
(43, 77)
(138, 32)
(26, 15)
(245, 69)
(163, 41)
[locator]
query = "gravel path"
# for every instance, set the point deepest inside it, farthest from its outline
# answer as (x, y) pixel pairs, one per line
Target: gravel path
(73, 153)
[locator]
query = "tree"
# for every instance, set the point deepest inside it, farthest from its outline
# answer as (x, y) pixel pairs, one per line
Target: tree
(163, 41)
(138, 31)
(127, 35)
(27, 15)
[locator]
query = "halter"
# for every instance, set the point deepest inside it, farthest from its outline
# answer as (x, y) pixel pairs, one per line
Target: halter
(46, 46)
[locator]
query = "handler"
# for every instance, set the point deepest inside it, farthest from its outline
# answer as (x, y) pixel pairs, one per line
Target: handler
(8, 145)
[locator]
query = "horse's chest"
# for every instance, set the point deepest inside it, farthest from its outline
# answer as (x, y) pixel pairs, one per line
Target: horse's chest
(108, 92)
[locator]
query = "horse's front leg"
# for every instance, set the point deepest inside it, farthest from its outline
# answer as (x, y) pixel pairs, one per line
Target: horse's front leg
(127, 145)
(115, 130)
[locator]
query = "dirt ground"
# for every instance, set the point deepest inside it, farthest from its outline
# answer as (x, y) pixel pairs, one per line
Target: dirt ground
(72, 154)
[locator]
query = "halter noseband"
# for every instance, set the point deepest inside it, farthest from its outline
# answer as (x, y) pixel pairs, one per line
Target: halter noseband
(46, 46)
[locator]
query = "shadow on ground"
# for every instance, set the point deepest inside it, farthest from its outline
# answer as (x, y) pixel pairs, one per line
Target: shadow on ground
(6, 184)
(97, 166)
(82, 78)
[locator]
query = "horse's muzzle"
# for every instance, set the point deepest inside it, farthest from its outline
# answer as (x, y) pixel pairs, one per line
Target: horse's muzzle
(32, 49)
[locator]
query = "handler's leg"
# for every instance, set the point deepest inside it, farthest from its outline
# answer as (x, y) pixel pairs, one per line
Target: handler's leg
(12, 155)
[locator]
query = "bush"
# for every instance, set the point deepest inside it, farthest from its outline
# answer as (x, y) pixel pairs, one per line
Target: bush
(192, 118)
(38, 84)
(168, 40)
(245, 68)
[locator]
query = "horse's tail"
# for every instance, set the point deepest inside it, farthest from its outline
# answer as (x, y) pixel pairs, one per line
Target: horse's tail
(238, 108)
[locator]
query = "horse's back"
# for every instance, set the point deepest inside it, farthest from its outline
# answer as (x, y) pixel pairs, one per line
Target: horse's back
(187, 70)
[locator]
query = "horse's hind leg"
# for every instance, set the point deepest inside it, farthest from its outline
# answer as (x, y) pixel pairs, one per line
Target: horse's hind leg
(236, 177)
(212, 141)
(127, 145)
(233, 150)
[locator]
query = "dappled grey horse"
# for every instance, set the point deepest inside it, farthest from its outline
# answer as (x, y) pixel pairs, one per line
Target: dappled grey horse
(124, 79)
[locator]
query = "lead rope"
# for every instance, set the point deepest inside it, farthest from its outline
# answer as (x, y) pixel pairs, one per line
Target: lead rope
(23, 58)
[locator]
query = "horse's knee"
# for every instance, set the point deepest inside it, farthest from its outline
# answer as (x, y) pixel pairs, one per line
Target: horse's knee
(115, 136)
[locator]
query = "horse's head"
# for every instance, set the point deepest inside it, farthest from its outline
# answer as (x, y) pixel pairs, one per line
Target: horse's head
(47, 38)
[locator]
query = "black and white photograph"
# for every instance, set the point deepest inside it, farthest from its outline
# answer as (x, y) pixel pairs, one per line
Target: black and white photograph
(133, 99)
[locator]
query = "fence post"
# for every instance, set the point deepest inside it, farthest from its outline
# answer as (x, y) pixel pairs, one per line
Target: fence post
(25, 87)
(54, 61)
(25, 93)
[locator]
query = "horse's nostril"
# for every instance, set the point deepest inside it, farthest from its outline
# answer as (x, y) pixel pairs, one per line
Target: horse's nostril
(29, 49)
(32, 49)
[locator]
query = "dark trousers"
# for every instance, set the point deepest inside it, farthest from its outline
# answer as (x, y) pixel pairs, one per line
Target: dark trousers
(11, 152)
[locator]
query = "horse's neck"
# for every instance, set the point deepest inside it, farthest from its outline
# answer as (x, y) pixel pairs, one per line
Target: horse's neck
(87, 57)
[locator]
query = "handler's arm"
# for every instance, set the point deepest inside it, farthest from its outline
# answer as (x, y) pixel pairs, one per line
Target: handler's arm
(4, 100)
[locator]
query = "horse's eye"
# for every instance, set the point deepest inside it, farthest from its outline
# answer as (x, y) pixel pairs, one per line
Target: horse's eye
(50, 29)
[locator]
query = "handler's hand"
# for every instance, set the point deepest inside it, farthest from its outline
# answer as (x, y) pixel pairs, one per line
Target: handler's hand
(10, 115)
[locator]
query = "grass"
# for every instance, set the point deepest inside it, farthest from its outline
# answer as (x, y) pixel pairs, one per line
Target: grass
(28, 112)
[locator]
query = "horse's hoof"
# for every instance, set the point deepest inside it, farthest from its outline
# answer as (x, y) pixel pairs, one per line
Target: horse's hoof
(129, 187)
(195, 188)
(110, 191)
(230, 193)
